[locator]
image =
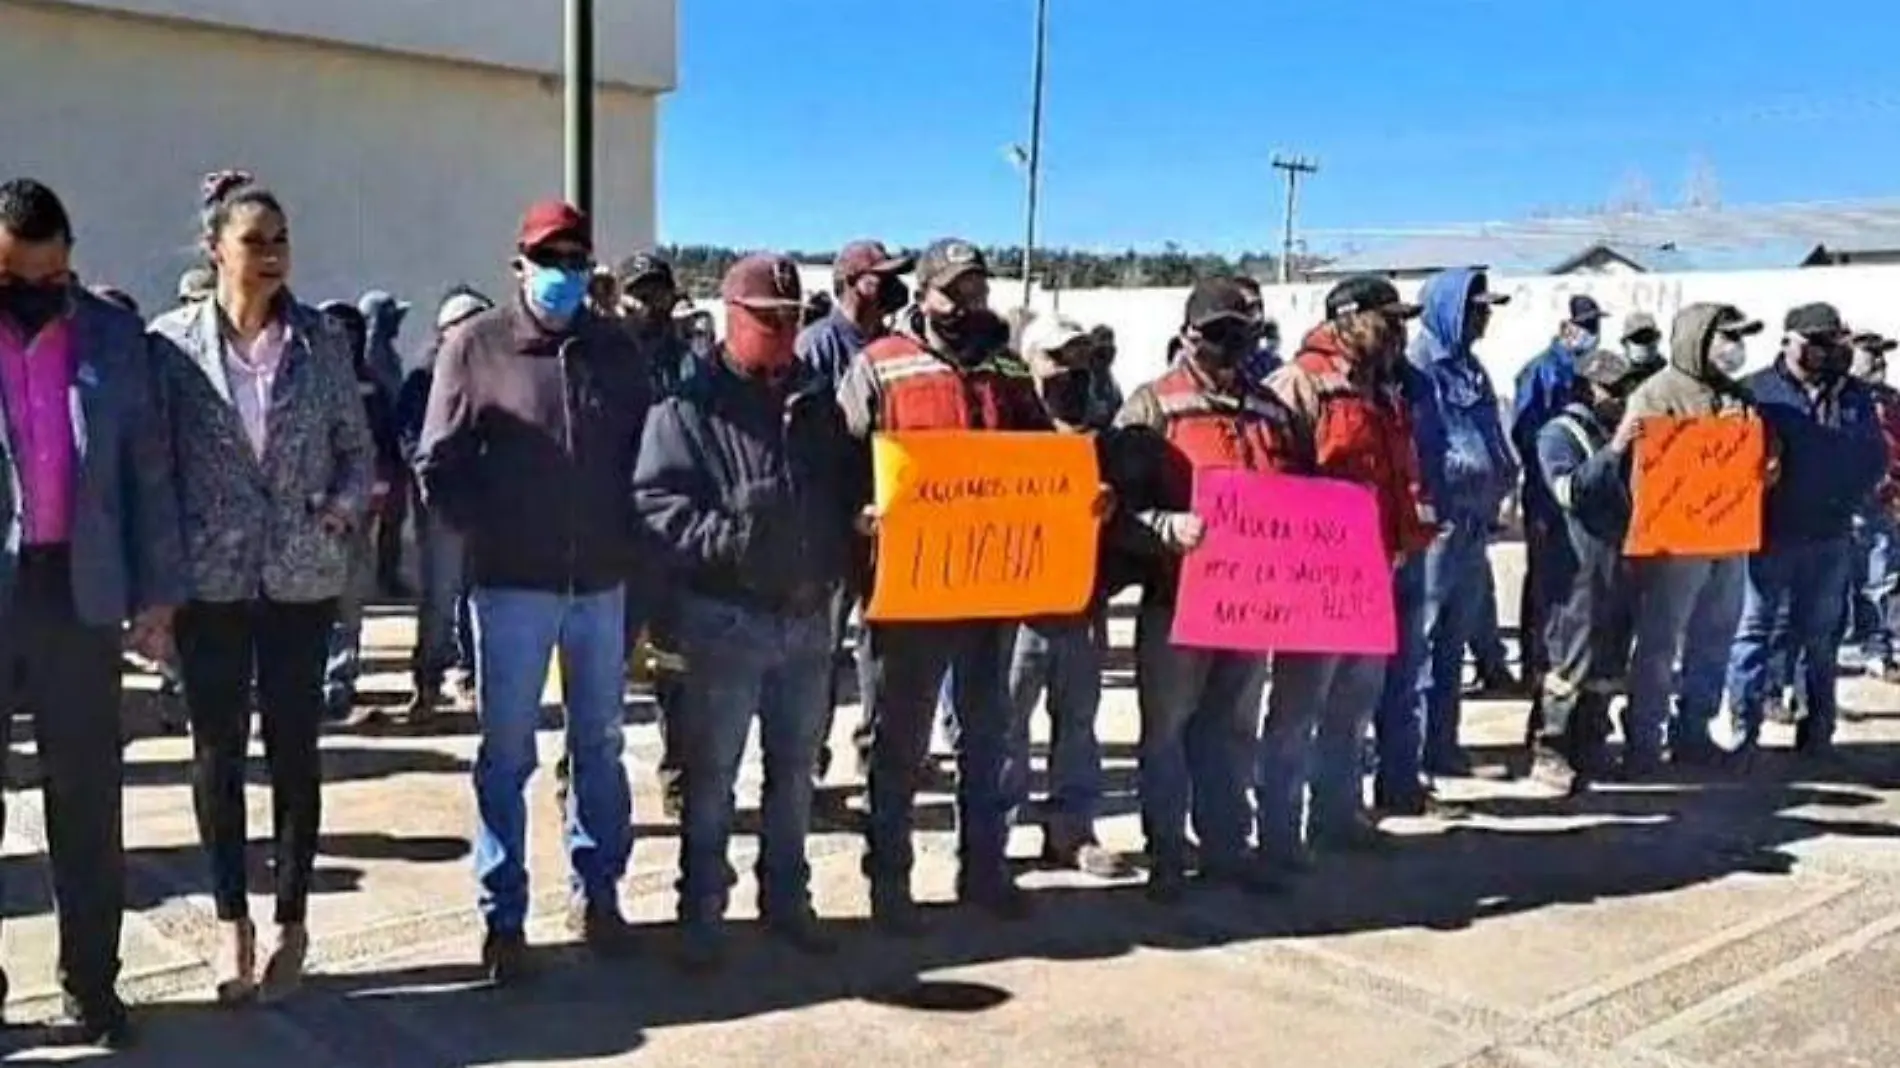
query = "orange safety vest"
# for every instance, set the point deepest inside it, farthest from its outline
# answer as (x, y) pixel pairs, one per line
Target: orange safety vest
(1369, 440)
(1252, 431)
(922, 391)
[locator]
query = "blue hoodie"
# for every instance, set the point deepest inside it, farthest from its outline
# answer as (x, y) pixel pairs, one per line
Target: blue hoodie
(1544, 387)
(1466, 460)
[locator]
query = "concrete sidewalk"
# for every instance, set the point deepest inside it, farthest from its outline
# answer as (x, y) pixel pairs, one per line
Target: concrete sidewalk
(1703, 923)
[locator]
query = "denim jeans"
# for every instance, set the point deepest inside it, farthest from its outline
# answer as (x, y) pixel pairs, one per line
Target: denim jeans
(1487, 644)
(345, 662)
(515, 631)
(1318, 709)
(1455, 569)
(440, 563)
(1802, 587)
(1200, 722)
(908, 663)
(1398, 725)
(1876, 595)
(1062, 657)
(1686, 610)
(745, 663)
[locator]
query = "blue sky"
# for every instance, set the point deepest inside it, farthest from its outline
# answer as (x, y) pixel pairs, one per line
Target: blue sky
(804, 123)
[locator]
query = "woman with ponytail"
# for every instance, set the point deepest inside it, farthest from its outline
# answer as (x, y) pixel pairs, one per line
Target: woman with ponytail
(274, 471)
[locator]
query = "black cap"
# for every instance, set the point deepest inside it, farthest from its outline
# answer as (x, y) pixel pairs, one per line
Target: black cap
(948, 259)
(1585, 310)
(1876, 343)
(1815, 320)
(1481, 292)
(642, 266)
(1604, 367)
(1731, 320)
(1366, 292)
(1219, 297)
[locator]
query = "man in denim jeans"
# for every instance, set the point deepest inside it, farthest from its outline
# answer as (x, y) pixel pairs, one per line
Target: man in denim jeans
(528, 449)
(744, 475)
(1686, 606)
(1062, 657)
(1832, 456)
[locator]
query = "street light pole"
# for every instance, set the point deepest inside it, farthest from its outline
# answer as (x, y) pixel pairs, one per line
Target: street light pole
(579, 101)
(1035, 147)
(1295, 167)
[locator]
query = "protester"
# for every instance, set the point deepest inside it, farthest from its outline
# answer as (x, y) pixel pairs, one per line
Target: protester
(119, 299)
(345, 663)
(275, 467)
(383, 317)
(1493, 664)
(91, 543)
(1265, 358)
(1875, 609)
(443, 645)
(1200, 709)
(1105, 394)
(1831, 458)
(1471, 470)
(1686, 606)
(1544, 386)
(1590, 625)
(1343, 390)
(1061, 658)
(746, 475)
(196, 284)
(947, 367)
(528, 450)
(1642, 343)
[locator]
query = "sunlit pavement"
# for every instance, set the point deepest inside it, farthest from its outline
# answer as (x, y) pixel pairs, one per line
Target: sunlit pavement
(1707, 921)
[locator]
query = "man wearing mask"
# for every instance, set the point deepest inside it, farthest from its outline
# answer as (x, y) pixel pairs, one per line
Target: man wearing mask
(1686, 606)
(1061, 658)
(648, 296)
(1470, 467)
(1544, 386)
(528, 450)
(1832, 457)
(1200, 709)
(1344, 391)
(383, 317)
(745, 477)
(947, 367)
(1642, 343)
(91, 542)
(1589, 630)
(1265, 358)
(866, 279)
(1874, 613)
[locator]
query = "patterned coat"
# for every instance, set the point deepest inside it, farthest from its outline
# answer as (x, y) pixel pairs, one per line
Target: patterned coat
(251, 527)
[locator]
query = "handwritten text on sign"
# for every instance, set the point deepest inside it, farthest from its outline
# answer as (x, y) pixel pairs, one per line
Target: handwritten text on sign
(1288, 565)
(1698, 488)
(983, 525)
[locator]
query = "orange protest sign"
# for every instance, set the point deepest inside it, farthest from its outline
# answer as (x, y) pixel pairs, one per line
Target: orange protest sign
(1699, 485)
(983, 525)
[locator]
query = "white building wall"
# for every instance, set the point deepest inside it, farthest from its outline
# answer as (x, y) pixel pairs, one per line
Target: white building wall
(398, 172)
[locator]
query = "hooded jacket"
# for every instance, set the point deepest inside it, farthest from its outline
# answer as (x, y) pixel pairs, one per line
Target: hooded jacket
(1690, 385)
(1544, 387)
(1833, 455)
(1466, 460)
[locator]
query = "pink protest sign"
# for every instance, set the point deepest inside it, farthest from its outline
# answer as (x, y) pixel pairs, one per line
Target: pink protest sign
(1289, 564)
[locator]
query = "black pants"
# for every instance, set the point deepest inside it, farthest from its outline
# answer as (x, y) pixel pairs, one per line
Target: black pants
(389, 535)
(1588, 638)
(65, 674)
(221, 648)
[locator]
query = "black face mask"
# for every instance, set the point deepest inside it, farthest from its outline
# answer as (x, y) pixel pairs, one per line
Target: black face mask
(32, 305)
(969, 333)
(1225, 345)
(1066, 396)
(892, 294)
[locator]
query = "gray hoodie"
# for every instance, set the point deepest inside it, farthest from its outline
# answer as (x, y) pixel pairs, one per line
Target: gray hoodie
(1689, 386)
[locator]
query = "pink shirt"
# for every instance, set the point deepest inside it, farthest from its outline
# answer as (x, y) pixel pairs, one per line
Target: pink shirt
(35, 382)
(252, 372)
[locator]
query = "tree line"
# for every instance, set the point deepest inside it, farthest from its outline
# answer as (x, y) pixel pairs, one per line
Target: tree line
(699, 268)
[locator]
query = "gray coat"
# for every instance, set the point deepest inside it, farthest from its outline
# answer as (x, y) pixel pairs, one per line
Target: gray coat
(251, 528)
(125, 551)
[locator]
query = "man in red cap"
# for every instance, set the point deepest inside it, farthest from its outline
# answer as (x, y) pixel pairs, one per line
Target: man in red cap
(528, 450)
(947, 367)
(743, 477)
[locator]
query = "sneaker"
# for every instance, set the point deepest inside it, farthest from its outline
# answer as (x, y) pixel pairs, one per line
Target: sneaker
(1088, 857)
(803, 931)
(1554, 770)
(283, 973)
(703, 947)
(1167, 884)
(505, 958)
(355, 717)
(894, 912)
(104, 1023)
(601, 927)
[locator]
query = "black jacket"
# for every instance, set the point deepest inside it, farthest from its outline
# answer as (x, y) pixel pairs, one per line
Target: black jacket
(528, 449)
(749, 488)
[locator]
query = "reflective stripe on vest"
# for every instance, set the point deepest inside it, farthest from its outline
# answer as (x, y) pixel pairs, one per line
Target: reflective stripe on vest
(1560, 489)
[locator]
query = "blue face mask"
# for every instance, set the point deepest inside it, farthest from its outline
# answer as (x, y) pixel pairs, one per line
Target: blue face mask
(557, 292)
(1584, 343)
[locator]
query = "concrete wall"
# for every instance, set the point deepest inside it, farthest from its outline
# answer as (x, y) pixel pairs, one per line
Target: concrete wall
(398, 172)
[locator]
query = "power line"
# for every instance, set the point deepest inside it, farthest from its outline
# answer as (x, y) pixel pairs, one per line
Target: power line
(1295, 167)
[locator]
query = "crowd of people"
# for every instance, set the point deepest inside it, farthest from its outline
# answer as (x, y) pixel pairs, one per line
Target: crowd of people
(219, 489)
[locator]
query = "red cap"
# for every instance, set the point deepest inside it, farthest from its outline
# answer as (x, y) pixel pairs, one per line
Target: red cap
(762, 281)
(868, 257)
(549, 219)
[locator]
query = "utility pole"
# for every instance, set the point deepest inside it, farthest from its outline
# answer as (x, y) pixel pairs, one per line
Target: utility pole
(1295, 167)
(1035, 147)
(579, 99)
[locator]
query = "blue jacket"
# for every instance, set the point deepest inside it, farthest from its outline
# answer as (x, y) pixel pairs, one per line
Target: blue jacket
(1544, 386)
(829, 345)
(1832, 454)
(1464, 457)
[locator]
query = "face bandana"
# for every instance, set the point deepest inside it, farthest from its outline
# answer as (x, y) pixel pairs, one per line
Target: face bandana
(761, 345)
(32, 305)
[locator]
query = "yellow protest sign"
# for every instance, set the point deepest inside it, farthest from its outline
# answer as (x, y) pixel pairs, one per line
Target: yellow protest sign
(1698, 487)
(983, 525)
